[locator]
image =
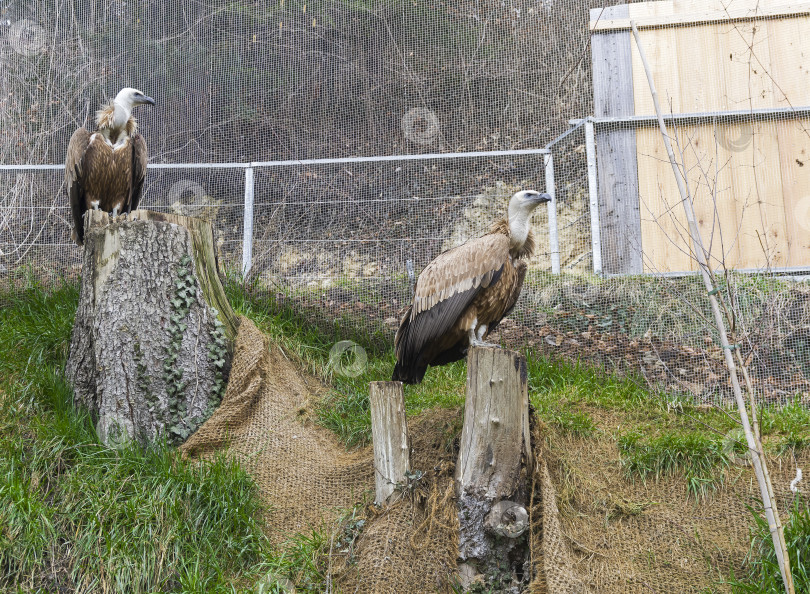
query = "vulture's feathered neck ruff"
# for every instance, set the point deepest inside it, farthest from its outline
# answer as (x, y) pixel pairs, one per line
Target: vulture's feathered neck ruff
(516, 226)
(112, 120)
(517, 248)
(115, 120)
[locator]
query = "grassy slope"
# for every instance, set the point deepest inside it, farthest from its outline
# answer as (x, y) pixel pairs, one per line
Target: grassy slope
(73, 512)
(657, 435)
(75, 515)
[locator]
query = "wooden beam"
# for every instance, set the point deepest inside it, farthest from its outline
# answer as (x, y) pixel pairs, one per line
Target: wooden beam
(389, 431)
(617, 177)
(799, 9)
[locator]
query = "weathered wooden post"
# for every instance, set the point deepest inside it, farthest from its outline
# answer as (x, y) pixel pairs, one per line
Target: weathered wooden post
(153, 335)
(493, 462)
(389, 432)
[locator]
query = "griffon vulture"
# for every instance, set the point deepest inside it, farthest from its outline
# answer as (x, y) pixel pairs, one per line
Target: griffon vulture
(105, 170)
(464, 293)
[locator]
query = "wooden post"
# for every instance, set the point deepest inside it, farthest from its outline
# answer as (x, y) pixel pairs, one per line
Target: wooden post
(619, 205)
(389, 431)
(491, 484)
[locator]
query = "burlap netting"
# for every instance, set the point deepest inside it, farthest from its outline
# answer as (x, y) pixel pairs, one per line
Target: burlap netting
(604, 532)
(411, 545)
(309, 480)
(304, 474)
(593, 530)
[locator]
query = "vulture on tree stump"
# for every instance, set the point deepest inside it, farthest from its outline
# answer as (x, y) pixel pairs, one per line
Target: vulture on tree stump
(464, 293)
(105, 170)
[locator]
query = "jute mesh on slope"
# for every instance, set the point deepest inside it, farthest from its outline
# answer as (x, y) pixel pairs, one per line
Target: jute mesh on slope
(411, 546)
(306, 477)
(604, 532)
(593, 529)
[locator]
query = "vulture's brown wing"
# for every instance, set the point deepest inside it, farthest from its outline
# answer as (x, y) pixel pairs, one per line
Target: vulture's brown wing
(138, 170)
(74, 173)
(446, 287)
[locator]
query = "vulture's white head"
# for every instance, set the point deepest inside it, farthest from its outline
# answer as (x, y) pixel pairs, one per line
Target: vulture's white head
(521, 207)
(129, 98)
(114, 118)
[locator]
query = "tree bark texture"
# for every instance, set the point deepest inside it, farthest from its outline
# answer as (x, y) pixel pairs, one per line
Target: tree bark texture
(491, 474)
(153, 335)
(389, 430)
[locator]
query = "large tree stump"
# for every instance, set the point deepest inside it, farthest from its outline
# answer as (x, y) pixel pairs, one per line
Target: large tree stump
(389, 431)
(491, 473)
(152, 340)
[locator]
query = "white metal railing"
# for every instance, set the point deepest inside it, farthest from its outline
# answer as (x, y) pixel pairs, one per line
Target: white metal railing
(299, 162)
(249, 167)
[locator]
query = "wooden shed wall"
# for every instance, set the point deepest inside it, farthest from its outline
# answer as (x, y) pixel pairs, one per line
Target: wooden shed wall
(750, 179)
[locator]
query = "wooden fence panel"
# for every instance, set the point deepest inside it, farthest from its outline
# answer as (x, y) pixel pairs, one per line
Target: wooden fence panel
(750, 186)
(791, 79)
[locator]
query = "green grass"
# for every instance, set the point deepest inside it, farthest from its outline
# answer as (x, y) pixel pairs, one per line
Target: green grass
(565, 417)
(764, 576)
(75, 515)
(577, 382)
(790, 425)
(345, 409)
(700, 458)
(659, 436)
(303, 563)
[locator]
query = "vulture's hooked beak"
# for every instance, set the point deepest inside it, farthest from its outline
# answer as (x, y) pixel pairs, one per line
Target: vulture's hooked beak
(146, 100)
(541, 198)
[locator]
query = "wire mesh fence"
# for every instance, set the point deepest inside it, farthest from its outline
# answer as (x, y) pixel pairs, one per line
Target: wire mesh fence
(338, 146)
(273, 92)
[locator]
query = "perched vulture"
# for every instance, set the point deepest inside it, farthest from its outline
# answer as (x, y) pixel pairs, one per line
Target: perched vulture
(464, 293)
(105, 170)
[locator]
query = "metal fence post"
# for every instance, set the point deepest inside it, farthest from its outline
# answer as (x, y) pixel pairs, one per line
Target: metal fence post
(247, 235)
(593, 194)
(553, 237)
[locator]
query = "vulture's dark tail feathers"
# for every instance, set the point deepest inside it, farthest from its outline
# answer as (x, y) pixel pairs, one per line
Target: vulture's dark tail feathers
(406, 370)
(408, 375)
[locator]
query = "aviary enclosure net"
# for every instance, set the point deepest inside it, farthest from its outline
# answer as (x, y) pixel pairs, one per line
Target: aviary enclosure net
(337, 145)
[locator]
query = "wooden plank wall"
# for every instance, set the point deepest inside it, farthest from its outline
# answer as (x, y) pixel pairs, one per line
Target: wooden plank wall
(789, 46)
(750, 179)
